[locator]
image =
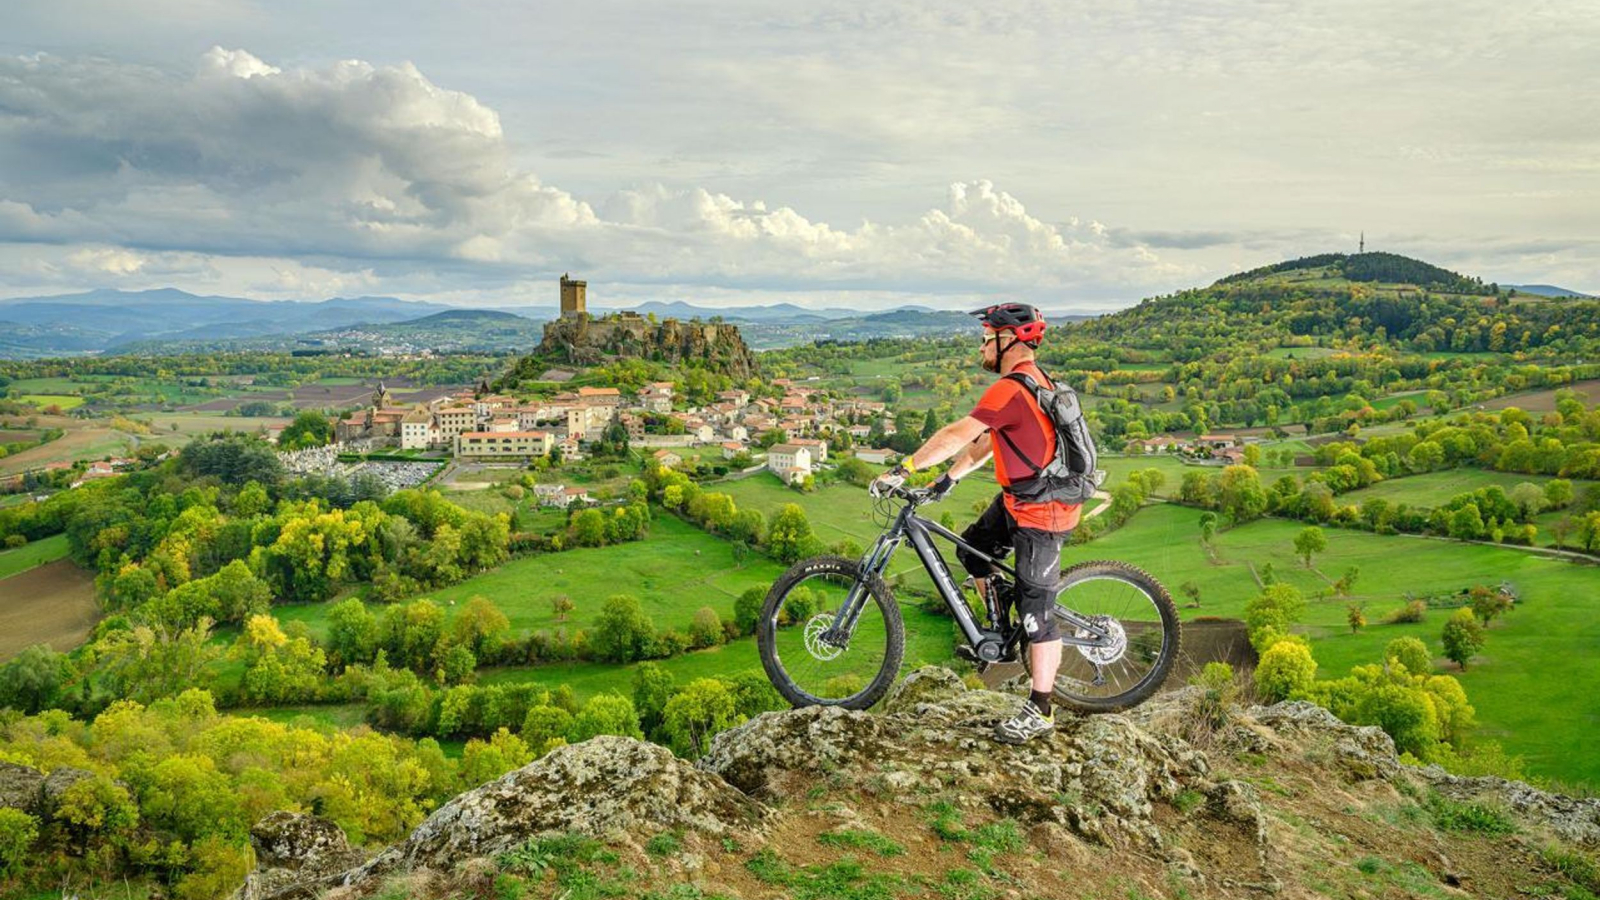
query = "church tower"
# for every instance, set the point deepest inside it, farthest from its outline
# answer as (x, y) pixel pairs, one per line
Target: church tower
(574, 297)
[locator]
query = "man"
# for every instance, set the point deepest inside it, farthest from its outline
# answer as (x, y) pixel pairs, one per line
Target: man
(1021, 439)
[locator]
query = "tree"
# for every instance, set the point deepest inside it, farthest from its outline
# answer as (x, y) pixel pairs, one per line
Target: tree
(1269, 614)
(652, 688)
(1356, 616)
(545, 727)
(32, 679)
(1557, 493)
(1309, 542)
(483, 761)
(697, 712)
(1286, 669)
(1463, 636)
(1411, 654)
(1466, 523)
(622, 632)
(1192, 591)
(789, 535)
(747, 609)
(1487, 603)
(589, 528)
(1240, 495)
(1529, 499)
(309, 429)
(353, 633)
(480, 626)
(606, 714)
(706, 629)
(18, 831)
(560, 606)
(1347, 581)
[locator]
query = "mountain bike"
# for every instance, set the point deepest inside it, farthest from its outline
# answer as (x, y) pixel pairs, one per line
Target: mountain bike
(831, 633)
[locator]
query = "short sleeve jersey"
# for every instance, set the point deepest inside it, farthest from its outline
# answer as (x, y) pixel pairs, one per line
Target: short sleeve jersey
(1009, 408)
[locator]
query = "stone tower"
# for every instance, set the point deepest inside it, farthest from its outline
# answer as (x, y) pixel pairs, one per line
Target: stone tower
(574, 299)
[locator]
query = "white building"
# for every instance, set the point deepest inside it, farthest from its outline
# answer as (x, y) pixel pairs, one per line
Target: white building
(789, 462)
(504, 443)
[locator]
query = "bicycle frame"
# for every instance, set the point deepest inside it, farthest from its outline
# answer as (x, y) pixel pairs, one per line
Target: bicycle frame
(908, 526)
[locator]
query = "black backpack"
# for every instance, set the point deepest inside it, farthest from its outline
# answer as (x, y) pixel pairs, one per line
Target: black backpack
(1070, 476)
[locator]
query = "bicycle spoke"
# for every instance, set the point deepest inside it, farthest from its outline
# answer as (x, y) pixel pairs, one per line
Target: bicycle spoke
(805, 642)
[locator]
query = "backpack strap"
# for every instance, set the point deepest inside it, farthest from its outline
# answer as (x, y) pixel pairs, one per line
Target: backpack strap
(1026, 381)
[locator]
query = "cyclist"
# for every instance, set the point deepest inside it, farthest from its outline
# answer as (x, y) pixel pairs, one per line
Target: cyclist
(1018, 431)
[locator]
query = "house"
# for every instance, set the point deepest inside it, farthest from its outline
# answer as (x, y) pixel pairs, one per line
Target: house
(730, 449)
(736, 397)
(417, 431)
(1218, 441)
(633, 424)
(876, 457)
(453, 420)
(600, 396)
(1158, 444)
(550, 494)
(503, 443)
(738, 433)
(789, 462)
(657, 396)
(1232, 455)
(859, 432)
(576, 495)
(818, 448)
(569, 448)
(666, 458)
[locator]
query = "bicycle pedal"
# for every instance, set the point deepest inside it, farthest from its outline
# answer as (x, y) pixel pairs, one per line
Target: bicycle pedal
(970, 655)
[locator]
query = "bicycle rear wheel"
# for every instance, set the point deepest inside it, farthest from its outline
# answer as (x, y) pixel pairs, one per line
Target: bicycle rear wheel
(1146, 637)
(807, 664)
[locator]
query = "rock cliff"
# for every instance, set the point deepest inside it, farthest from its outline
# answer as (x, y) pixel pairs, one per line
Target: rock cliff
(916, 800)
(587, 341)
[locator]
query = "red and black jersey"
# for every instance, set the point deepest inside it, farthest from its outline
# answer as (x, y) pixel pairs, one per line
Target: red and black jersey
(1009, 407)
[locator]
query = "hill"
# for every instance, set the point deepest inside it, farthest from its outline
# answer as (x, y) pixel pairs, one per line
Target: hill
(1378, 301)
(1184, 797)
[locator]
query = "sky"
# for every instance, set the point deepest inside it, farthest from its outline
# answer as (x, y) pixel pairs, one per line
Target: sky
(1080, 156)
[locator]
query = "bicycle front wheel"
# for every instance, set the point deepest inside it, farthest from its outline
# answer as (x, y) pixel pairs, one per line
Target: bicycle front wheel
(814, 659)
(1145, 636)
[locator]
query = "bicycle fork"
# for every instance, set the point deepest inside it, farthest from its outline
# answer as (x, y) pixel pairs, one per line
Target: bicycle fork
(872, 565)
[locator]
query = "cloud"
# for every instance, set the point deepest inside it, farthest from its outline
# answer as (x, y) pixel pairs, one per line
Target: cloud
(353, 163)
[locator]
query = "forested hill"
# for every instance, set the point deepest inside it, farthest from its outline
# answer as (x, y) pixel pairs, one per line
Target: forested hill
(1360, 302)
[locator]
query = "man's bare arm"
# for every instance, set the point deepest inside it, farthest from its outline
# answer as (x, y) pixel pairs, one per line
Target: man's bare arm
(975, 455)
(947, 442)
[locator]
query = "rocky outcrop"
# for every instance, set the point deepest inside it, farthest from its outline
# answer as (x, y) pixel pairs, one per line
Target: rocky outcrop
(1279, 795)
(589, 341)
(21, 787)
(297, 856)
(607, 787)
(1098, 775)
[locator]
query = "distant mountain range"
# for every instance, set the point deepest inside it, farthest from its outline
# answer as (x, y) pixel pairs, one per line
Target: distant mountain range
(170, 320)
(1547, 290)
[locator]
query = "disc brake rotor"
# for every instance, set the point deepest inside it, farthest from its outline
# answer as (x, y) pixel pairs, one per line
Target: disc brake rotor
(1115, 646)
(815, 645)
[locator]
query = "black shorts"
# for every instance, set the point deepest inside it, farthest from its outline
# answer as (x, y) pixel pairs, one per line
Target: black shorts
(1038, 564)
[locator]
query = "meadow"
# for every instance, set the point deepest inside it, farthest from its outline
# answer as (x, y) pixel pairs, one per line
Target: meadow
(1533, 684)
(35, 553)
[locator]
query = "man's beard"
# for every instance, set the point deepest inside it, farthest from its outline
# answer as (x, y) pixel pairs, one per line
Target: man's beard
(990, 366)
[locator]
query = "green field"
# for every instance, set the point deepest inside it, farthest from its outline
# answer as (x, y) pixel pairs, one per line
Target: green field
(65, 401)
(36, 553)
(677, 571)
(1535, 684)
(1436, 488)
